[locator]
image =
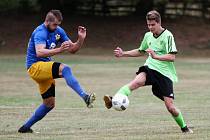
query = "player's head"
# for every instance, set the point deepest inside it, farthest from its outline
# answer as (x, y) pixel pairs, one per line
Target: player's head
(153, 21)
(53, 19)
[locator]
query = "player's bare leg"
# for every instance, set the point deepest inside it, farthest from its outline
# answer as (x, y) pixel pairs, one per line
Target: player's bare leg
(49, 102)
(177, 115)
(41, 111)
(138, 81)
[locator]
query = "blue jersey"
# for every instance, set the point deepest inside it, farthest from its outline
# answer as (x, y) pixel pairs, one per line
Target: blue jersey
(41, 35)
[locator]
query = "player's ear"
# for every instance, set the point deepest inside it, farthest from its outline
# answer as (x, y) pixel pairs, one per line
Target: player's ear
(47, 22)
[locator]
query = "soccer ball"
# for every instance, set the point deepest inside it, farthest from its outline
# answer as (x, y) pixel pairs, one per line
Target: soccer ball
(120, 102)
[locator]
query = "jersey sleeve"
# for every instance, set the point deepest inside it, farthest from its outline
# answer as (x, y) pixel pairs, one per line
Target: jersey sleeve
(143, 45)
(171, 46)
(64, 36)
(40, 38)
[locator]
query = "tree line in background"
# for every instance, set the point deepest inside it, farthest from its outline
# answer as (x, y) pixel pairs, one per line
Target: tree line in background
(167, 8)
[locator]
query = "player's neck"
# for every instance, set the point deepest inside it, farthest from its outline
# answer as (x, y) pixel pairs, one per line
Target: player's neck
(45, 24)
(159, 31)
(47, 27)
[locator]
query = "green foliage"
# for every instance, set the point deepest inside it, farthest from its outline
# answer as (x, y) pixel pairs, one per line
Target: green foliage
(6, 5)
(160, 1)
(93, 7)
(21, 6)
(27, 5)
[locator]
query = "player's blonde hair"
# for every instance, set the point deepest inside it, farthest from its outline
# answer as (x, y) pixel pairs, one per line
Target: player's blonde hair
(52, 15)
(153, 15)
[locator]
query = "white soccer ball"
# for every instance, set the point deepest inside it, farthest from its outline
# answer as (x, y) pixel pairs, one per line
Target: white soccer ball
(120, 102)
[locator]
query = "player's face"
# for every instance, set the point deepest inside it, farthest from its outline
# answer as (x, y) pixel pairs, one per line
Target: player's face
(53, 25)
(153, 26)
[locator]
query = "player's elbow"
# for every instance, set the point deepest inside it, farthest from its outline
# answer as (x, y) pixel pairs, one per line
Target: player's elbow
(40, 51)
(39, 54)
(74, 49)
(173, 57)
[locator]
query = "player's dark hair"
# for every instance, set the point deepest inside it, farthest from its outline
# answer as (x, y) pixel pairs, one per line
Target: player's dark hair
(153, 15)
(54, 14)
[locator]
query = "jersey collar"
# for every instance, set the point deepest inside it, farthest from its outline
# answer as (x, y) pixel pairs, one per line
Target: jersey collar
(159, 34)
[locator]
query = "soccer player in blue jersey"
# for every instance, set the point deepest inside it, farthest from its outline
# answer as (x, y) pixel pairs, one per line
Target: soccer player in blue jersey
(42, 45)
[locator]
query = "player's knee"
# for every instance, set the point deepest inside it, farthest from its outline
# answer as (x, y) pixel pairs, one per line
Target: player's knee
(139, 84)
(171, 109)
(66, 69)
(71, 79)
(50, 103)
(62, 67)
(136, 84)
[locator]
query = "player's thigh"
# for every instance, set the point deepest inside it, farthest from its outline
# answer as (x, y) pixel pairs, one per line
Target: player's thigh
(56, 72)
(61, 67)
(170, 106)
(138, 81)
(162, 86)
(41, 71)
(140, 78)
(47, 87)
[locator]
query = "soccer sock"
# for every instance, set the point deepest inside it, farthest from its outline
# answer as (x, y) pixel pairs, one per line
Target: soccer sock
(180, 120)
(72, 82)
(124, 90)
(40, 112)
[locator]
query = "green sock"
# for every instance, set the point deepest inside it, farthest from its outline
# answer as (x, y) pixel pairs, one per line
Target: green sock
(124, 90)
(180, 120)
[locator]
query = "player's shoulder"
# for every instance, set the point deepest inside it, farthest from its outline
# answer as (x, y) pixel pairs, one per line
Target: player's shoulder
(167, 33)
(147, 35)
(40, 30)
(60, 29)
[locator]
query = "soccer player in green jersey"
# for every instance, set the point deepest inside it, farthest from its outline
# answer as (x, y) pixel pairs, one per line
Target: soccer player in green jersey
(158, 71)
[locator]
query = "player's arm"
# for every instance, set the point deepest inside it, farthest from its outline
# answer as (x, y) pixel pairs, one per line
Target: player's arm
(41, 51)
(75, 46)
(170, 50)
(118, 52)
(40, 46)
(166, 57)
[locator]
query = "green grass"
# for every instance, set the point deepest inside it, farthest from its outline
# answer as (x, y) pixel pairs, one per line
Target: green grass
(145, 119)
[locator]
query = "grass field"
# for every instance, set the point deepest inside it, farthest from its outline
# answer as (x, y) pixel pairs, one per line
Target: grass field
(145, 119)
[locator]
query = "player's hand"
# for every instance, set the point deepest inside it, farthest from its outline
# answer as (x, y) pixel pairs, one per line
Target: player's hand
(82, 32)
(65, 46)
(118, 52)
(151, 53)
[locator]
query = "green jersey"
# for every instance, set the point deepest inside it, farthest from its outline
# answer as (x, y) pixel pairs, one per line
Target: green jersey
(163, 44)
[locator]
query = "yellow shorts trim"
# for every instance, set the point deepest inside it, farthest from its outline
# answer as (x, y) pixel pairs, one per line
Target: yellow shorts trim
(41, 72)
